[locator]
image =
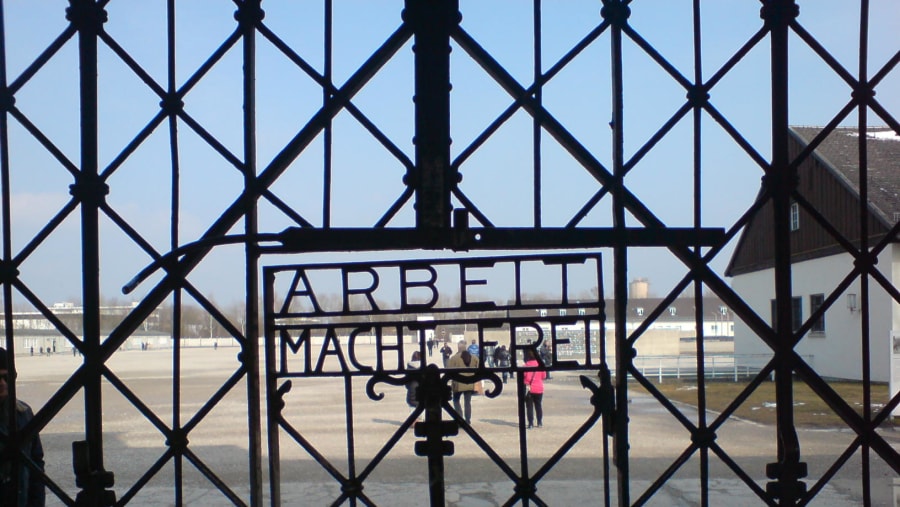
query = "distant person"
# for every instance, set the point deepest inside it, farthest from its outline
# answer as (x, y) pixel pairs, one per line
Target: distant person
(503, 361)
(30, 487)
(534, 390)
(446, 352)
(546, 358)
(473, 349)
(412, 399)
(430, 344)
(215, 345)
(488, 356)
(463, 359)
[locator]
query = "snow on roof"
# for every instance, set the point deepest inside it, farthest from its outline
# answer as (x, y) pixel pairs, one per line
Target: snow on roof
(880, 135)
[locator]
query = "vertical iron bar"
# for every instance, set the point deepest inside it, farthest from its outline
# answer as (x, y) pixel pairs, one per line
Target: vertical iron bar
(605, 422)
(171, 89)
(252, 14)
(520, 395)
(864, 247)
(351, 439)
(433, 392)
(698, 286)
(273, 398)
(5, 211)
(617, 12)
(536, 122)
(520, 412)
(327, 130)
(7, 261)
(782, 180)
(432, 22)
(87, 186)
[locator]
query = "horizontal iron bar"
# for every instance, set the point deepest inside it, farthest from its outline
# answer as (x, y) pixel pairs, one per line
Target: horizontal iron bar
(302, 239)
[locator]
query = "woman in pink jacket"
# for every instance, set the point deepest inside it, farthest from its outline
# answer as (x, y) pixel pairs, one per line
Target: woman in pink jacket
(534, 390)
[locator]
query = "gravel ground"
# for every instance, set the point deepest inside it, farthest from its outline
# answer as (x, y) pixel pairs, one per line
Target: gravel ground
(315, 407)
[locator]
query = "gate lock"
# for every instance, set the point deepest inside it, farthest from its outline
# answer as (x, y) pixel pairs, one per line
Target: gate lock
(434, 433)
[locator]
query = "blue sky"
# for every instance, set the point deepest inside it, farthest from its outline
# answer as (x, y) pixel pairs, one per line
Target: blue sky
(367, 177)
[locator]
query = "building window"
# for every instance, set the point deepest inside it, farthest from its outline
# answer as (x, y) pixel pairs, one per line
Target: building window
(796, 313)
(543, 313)
(795, 216)
(581, 311)
(640, 311)
(815, 302)
(562, 312)
(672, 311)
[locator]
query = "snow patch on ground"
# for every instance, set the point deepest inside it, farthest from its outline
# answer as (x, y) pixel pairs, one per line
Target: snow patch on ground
(772, 404)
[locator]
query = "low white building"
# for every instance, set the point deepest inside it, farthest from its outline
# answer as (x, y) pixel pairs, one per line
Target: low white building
(34, 332)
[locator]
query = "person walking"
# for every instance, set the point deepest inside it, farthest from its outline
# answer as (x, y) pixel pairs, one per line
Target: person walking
(446, 352)
(534, 390)
(503, 361)
(488, 356)
(473, 349)
(30, 487)
(463, 359)
(546, 358)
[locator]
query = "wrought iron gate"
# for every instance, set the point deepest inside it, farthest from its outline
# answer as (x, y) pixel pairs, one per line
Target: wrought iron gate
(432, 208)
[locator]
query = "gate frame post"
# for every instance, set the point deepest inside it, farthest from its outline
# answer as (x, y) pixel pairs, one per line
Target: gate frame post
(432, 22)
(781, 178)
(90, 190)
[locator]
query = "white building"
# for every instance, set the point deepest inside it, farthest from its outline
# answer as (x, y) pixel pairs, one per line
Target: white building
(829, 182)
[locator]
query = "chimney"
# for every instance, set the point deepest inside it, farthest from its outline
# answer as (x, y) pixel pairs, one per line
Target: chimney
(638, 288)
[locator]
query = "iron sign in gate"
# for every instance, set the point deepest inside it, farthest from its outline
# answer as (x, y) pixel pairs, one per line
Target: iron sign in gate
(362, 339)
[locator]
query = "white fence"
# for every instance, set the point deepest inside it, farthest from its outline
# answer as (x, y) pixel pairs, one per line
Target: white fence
(715, 366)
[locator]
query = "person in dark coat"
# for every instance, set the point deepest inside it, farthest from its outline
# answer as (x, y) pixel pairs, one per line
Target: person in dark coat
(546, 358)
(446, 352)
(30, 487)
(502, 358)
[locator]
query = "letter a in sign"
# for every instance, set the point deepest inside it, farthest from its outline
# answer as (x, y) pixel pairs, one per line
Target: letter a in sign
(305, 291)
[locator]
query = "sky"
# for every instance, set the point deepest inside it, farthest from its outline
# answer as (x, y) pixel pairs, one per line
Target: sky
(367, 178)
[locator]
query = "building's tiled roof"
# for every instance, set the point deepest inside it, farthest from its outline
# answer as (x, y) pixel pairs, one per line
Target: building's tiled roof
(840, 151)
